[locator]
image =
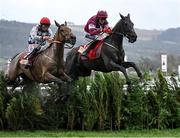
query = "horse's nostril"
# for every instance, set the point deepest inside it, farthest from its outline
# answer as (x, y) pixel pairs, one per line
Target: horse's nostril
(135, 38)
(73, 37)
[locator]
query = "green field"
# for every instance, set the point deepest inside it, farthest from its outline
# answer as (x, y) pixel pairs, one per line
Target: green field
(121, 133)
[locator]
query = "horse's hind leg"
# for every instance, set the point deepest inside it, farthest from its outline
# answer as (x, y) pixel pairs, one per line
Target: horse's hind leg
(132, 64)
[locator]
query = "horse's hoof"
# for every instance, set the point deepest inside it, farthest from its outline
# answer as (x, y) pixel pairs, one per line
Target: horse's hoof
(62, 99)
(28, 66)
(129, 88)
(60, 82)
(70, 80)
(142, 81)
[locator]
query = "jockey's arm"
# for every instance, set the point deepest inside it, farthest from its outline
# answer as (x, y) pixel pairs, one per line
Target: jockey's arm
(49, 38)
(50, 33)
(93, 30)
(106, 26)
(34, 35)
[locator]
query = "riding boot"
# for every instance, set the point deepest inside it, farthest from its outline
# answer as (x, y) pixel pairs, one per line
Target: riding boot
(29, 64)
(85, 53)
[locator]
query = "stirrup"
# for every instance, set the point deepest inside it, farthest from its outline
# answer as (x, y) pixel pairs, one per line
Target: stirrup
(28, 66)
(84, 54)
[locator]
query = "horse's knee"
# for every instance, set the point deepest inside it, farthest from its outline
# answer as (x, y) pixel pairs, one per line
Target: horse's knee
(59, 81)
(8, 80)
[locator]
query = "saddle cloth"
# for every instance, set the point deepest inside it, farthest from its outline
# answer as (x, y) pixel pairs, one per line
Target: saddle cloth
(93, 53)
(23, 60)
(23, 55)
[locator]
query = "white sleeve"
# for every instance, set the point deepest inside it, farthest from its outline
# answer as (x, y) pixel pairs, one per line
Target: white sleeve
(33, 33)
(92, 26)
(50, 32)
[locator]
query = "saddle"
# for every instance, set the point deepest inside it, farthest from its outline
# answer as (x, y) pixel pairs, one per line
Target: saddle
(31, 58)
(23, 59)
(93, 53)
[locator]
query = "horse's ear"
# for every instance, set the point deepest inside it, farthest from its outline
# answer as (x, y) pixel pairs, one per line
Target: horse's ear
(57, 24)
(128, 15)
(65, 23)
(122, 17)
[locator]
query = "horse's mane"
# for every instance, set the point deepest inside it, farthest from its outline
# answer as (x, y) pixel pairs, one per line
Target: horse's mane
(113, 29)
(50, 45)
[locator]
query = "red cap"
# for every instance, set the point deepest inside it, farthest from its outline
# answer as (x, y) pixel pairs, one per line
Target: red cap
(102, 14)
(45, 20)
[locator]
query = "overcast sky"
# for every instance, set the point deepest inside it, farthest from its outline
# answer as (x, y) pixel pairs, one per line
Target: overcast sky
(146, 14)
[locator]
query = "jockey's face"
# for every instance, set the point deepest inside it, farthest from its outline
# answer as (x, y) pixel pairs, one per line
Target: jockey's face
(102, 20)
(45, 27)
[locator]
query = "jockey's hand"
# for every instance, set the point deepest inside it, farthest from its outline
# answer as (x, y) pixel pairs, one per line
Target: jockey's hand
(46, 37)
(50, 40)
(107, 30)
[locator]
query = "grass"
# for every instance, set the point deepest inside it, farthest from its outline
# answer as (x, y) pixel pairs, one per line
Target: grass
(65, 133)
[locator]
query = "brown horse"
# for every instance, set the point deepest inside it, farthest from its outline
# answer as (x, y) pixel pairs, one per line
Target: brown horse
(48, 65)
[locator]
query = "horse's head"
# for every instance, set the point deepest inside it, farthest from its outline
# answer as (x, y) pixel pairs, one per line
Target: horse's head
(64, 34)
(126, 27)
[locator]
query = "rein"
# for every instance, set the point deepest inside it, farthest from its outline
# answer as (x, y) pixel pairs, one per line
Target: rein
(110, 45)
(118, 33)
(58, 42)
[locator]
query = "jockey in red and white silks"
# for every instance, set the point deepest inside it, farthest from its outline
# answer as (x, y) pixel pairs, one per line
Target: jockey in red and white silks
(39, 34)
(37, 38)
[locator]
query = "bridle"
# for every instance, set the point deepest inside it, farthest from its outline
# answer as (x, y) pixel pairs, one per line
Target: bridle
(59, 42)
(119, 34)
(123, 34)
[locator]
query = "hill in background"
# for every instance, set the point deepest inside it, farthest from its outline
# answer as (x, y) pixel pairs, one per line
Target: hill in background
(150, 43)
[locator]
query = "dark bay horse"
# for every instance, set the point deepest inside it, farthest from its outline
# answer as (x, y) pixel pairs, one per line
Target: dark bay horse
(111, 56)
(48, 65)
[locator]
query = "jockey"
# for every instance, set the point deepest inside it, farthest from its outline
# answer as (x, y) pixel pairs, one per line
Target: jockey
(95, 26)
(38, 37)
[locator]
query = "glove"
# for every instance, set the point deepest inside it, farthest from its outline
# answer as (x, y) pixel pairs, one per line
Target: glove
(107, 30)
(37, 49)
(46, 37)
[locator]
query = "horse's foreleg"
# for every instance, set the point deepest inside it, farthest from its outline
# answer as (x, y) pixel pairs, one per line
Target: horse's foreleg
(116, 67)
(132, 64)
(51, 78)
(64, 76)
